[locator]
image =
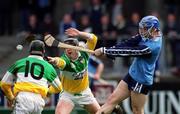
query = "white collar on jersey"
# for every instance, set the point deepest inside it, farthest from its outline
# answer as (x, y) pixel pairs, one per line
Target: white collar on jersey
(36, 56)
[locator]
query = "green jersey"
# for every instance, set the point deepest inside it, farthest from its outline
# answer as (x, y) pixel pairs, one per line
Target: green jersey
(32, 74)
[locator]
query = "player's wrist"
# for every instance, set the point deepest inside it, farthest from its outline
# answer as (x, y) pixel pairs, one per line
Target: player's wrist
(11, 98)
(102, 50)
(85, 35)
(56, 61)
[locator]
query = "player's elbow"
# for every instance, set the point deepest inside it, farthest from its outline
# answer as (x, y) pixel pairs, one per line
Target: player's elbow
(5, 86)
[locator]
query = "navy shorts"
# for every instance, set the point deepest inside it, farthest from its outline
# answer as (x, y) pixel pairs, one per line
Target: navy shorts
(136, 86)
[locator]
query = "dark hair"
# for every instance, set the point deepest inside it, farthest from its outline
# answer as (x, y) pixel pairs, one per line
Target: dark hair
(37, 47)
(71, 41)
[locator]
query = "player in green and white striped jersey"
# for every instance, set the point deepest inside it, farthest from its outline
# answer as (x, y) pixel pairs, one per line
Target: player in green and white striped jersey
(31, 75)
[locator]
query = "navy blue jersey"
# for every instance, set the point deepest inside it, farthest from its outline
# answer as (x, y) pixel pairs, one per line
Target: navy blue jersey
(146, 53)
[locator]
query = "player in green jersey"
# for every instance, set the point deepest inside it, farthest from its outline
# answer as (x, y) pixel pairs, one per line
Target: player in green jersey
(29, 78)
(74, 78)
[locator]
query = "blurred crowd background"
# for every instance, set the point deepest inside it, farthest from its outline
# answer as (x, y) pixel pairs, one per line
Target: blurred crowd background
(110, 20)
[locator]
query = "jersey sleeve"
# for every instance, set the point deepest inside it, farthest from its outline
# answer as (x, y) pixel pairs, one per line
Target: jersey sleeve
(54, 81)
(131, 42)
(56, 86)
(61, 63)
(51, 74)
(130, 47)
(10, 74)
(140, 50)
(91, 42)
(7, 82)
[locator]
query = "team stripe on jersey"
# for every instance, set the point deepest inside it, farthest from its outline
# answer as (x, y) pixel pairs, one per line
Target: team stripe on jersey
(30, 87)
(30, 79)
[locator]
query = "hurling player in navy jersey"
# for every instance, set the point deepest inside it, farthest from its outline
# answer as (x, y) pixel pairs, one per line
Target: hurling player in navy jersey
(145, 47)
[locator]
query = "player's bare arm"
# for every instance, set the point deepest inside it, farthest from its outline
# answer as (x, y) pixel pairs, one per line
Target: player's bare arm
(89, 37)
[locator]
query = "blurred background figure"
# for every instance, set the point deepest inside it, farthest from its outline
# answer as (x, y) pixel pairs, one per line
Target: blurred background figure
(133, 24)
(121, 25)
(108, 31)
(95, 69)
(171, 29)
(85, 24)
(78, 11)
(6, 13)
(44, 7)
(33, 25)
(26, 8)
(116, 10)
(96, 12)
(48, 27)
(66, 23)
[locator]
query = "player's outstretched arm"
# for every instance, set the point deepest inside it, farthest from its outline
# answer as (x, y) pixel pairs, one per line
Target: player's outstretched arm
(140, 50)
(72, 32)
(60, 63)
(89, 37)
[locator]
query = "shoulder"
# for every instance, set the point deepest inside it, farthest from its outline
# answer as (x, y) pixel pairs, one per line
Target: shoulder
(64, 58)
(84, 54)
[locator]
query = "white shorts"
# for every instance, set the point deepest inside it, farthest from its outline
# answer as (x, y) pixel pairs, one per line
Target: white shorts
(28, 103)
(84, 98)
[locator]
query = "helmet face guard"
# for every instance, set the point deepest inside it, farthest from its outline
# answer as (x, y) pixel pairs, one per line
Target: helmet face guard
(147, 25)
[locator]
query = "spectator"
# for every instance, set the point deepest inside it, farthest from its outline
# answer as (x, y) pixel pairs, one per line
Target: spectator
(155, 13)
(32, 27)
(133, 24)
(48, 27)
(116, 10)
(66, 23)
(26, 8)
(6, 11)
(121, 25)
(85, 24)
(171, 29)
(95, 69)
(44, 7)
(78, 11)
(108, 32)
(96, 12)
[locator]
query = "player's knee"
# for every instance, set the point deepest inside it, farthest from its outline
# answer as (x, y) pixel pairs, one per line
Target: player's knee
(137, 110)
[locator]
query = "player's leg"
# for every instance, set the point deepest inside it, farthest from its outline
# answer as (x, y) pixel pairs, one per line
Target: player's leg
(138, 101)
(39, 104)
(65, 104)
(120, 93)
(22, 104)
(64, 107)
(92, 108)
(138, 95)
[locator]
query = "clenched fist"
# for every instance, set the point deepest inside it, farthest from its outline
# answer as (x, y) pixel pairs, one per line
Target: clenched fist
(98, 52)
